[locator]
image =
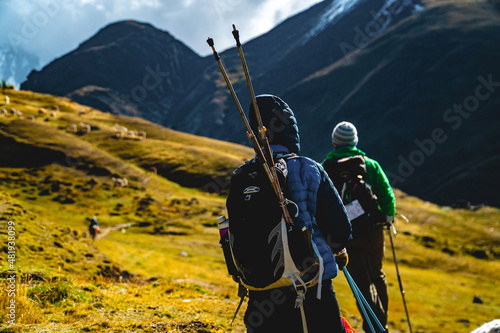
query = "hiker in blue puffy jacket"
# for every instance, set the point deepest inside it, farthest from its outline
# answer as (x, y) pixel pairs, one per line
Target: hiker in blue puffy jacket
(320, 210)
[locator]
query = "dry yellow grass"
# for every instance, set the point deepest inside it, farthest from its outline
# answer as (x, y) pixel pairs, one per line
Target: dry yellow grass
(178, 281)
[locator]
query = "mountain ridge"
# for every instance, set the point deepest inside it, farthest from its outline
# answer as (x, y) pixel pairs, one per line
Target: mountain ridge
(422, 115)
(164, 72)
(399, 59)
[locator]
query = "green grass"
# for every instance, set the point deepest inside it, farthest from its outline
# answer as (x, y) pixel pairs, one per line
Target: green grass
(161, 288)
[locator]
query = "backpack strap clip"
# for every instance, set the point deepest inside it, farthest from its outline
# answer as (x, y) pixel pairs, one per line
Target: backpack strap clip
(288, 201)
(301, 295)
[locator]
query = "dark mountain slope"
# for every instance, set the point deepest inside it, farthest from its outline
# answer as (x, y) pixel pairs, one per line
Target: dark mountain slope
(127, 67)
(322, 35)
(109, 70)
(279, 59)
(421, 100)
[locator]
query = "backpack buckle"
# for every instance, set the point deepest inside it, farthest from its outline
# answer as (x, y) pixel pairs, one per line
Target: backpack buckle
(301, 296)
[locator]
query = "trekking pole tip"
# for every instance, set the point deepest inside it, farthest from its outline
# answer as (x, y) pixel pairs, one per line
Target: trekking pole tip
(210, 42)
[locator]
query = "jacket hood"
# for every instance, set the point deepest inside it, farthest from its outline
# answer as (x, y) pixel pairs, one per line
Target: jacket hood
(279, 121)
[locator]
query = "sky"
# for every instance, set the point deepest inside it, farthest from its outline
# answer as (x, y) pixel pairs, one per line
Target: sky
(51, 28)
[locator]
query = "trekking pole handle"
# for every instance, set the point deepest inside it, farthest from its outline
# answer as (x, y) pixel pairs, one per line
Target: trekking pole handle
(210, 42)
(236, 35)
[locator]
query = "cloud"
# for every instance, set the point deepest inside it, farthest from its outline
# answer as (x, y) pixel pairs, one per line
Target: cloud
(51, 28)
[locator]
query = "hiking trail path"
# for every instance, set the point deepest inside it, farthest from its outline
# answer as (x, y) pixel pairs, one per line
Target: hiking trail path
(105, 231)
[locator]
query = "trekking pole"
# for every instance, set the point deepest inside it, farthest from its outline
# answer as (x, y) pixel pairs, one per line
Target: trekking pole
(397, 271)
(269, 171)
(262, 129)
(365, 308)
(360, 303)
(250, 133)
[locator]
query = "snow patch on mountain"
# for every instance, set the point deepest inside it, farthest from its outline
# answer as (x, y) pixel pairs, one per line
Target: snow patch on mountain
(390, 10)
(381, 19)
(336, 10)
(417, 8)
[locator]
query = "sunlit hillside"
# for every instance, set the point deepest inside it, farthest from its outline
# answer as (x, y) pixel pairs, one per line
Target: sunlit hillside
(157, 266)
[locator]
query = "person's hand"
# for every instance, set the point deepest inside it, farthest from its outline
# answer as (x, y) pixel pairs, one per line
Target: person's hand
(389, 221)
(342, 258)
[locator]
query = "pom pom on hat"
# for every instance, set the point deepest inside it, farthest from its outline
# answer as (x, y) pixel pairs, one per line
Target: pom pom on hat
(345, 134)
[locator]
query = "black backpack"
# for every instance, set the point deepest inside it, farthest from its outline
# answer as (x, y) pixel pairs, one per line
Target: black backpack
(348, 175)
(265, 251)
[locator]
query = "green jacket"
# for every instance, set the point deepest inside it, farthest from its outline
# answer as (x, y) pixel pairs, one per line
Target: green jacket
(376, 178)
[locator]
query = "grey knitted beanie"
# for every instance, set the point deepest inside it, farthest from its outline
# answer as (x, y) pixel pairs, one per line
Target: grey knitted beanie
(345, 134)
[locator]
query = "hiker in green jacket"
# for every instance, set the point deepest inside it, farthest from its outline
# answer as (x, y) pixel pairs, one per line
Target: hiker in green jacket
(366, 250)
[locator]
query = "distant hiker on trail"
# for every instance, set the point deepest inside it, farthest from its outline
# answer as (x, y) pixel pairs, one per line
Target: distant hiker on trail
(94, 228)
(370, 204)
(315, 208)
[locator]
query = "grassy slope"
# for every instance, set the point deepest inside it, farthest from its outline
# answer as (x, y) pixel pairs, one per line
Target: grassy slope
(168, 291)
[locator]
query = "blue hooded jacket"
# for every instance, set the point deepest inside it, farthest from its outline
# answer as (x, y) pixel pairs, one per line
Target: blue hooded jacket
(320, 207)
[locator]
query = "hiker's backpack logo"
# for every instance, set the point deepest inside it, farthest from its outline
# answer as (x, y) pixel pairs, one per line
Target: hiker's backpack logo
(249, 191)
